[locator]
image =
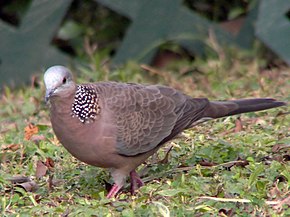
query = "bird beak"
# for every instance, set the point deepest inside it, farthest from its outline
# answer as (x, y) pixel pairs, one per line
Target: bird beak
(48, 93)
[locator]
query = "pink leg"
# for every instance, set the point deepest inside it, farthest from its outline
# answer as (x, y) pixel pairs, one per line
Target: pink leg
(114, 190)
(136, 181)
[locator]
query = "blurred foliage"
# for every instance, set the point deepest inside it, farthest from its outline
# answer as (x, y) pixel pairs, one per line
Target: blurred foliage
(91, 32)
(90, 27)
(274, 18)
(223, 10)
(105, 29)
(24, 50)
(12, 11)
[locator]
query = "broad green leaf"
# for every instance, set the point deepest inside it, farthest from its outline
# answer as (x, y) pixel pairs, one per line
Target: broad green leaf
(27, 50)
(255, 174)
(155, 22)
(273, 26)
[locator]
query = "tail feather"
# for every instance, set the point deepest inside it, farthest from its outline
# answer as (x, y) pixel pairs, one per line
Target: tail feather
(217, 109)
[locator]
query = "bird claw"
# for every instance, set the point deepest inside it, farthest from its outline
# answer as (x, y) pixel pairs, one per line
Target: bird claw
(136, 181)
(114, 190)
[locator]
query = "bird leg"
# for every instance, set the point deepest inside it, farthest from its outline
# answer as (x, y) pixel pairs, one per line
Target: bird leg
(114, 190)
(136, 181)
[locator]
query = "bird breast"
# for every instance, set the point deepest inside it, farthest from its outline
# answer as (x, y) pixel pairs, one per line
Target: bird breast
(89, 142)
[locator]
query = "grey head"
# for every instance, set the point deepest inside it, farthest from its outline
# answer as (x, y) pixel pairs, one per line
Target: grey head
(57, 80)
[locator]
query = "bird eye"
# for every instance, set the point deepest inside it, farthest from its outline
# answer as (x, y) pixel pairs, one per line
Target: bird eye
(63, 80)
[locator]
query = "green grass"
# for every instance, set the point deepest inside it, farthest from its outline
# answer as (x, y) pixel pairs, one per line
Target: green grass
(183, 186)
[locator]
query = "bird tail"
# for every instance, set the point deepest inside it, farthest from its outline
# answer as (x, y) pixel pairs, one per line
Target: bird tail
(218, 109)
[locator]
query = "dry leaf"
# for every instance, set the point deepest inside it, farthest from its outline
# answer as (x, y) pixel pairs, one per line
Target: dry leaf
(224, 212)
(49, 163)
(278, 147)
(50, 182)
(239, 125)
(11, 147)
(281, 203)
(28, 186)
(275, 192)
(286, 157)
(207, 164)
(24, 182)
(41, 169)
(19, 179)
(280, 113)
(29, 131)
(37, 198)
(242, 163)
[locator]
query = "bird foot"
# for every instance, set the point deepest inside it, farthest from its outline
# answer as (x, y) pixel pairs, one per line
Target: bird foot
(114, 190)
(136, 181)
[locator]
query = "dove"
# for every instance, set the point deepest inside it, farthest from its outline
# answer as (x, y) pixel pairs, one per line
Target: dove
(119, 125)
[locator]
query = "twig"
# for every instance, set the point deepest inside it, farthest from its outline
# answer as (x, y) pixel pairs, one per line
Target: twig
(236, 200)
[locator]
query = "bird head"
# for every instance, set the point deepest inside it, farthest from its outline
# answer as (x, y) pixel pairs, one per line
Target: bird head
(58, 80)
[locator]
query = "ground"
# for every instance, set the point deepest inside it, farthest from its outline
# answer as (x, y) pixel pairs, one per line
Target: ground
(231, 166)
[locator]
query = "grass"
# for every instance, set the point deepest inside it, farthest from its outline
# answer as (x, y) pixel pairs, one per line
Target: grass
(212, 169)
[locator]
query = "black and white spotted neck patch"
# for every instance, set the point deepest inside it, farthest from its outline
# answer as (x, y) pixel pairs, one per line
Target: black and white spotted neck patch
(86, 104)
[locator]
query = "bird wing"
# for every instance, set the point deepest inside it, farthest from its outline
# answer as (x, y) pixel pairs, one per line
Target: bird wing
(148, 116)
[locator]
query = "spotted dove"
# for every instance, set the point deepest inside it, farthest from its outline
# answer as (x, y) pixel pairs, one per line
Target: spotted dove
(119, 125)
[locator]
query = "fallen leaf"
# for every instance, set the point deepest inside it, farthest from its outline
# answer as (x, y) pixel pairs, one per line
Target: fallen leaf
(28, 186)
(242, 163)
(10, 147)
(269, 159)
(280, 113)
(41, 169)
(19, 179)
(275, 192)
(24, 182)
(37, 198)
(227, 213)
(49, 163)
(286, 157)
(50, 182)
(278, 147)
(281, 203)
(238, 125)
(56, 182)
(207, 164)
(29, 131)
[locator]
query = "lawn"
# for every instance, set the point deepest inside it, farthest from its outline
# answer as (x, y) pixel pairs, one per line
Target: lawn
(234, 166)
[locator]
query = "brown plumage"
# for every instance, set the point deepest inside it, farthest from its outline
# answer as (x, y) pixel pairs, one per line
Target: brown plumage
(118, 126)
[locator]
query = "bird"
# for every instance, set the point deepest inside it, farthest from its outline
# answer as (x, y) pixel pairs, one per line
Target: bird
(119, 125)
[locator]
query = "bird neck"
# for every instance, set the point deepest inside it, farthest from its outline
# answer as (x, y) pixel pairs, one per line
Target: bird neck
(62, 103)
(86, 104)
